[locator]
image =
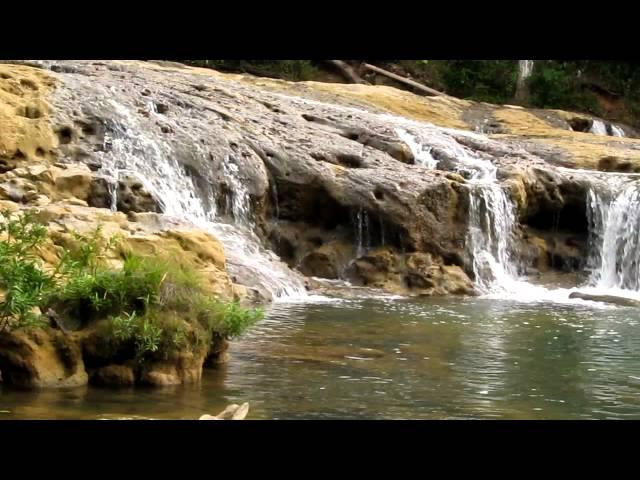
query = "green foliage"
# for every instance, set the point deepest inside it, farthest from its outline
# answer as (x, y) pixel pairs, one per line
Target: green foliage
(558, 85)
(154, 306)
(481, 80)
(25, 283)
(286, 69)
(236, 319)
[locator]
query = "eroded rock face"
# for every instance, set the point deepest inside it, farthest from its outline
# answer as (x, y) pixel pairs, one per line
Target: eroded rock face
(413, 274)
(41, 359)
(186, 368)
(114, 376)
(301, 166)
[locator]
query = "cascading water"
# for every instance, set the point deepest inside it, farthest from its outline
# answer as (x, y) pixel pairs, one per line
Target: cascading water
(491, 212)
(525, 68)
(134, 150)
(363, 234)
(421, 153)
(598, 128)
(491, 222)
(616, 131)
(614, 216)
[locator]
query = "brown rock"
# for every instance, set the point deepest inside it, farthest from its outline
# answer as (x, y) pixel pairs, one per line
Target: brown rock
(114, 376)
(41, 359)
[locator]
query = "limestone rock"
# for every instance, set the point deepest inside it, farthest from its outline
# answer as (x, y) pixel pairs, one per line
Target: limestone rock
(41, 359)
(114, 376)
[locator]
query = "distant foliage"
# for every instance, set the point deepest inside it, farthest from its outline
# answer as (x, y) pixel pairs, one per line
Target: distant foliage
(482, 80)
(285, 69)
(558, 85)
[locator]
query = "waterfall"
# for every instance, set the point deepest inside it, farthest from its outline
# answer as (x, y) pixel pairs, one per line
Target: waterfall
(363, 234)
(134, 149)
(598, 127)
(525, 68)
(491, 222)
(616, 131)
(492, 216)
(421, 153)
(614, 217)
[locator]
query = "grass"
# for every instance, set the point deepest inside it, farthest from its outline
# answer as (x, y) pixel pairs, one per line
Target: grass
(155, 307)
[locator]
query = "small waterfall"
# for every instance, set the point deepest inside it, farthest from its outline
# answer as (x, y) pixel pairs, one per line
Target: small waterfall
(135, 150)
(421, 153)
(525, 68)
(598, 127)
(614, 218)
(492, 216)
(491, 221)
(381, 222)
(274, 197)
(363, 232)
(616, 131)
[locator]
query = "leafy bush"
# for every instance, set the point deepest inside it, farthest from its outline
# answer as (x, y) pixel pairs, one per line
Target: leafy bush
(155, 306)
(557, 85)
(25, 283)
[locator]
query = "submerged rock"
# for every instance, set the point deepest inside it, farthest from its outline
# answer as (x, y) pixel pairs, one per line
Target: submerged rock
(232, 412)
(612, 299)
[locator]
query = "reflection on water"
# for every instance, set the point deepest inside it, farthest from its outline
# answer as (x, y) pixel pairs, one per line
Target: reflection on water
(394, 359)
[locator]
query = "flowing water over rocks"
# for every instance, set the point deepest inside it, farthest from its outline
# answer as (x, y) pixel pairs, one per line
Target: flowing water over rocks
(311, 194)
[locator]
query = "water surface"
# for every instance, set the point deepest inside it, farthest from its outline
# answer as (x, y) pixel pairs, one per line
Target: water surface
(398, 359)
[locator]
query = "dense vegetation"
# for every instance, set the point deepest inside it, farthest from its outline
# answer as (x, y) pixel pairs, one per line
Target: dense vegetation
(154, 306)
(578, 85)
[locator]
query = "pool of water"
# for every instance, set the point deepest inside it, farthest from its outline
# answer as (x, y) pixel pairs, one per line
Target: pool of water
(397, 359)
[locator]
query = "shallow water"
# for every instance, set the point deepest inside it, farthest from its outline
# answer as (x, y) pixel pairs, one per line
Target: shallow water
(398, 359)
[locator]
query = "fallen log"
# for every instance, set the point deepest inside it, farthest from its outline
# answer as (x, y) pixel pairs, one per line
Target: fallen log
(347, 71)
(418, 86)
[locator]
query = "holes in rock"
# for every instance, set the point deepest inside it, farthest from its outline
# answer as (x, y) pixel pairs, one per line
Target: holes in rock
(351, 135)
(5, 167)
(88, 129)
(39, 152)
(65, 135)
(25, 82)
(19, 155)
(310, 204)
(578, 124)
(349, 160)
(378, 193)
(5, 76)
(344, 159)
(32, 112)
(162, 108)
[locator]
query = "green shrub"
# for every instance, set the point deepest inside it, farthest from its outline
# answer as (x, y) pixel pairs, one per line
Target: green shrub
(22, 277)
(557, 85)
(157, 307)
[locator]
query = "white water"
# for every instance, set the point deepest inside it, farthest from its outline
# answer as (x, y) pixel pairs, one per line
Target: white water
(136, 151)
(525, 68)
(598, 128)
(491, 212)
(421, 153)
(616, 131)
(151, 158)
(614, 221)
